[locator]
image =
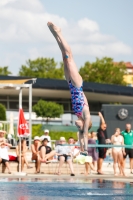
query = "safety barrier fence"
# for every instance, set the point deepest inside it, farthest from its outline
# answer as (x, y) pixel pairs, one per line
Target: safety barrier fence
(101, 145)
(93, 145)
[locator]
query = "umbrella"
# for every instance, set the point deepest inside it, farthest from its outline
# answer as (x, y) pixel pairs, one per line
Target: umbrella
(23, 130)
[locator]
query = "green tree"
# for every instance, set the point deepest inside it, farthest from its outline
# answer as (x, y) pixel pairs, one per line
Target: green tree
(104, 70)
(4, 71)
(48, 109)
(2, 112)
(42, 68)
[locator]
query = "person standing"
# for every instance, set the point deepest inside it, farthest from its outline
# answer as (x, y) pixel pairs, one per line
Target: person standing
(46, 135)
(92, 151)
(118, 152)
(102, 139)
(128, 140)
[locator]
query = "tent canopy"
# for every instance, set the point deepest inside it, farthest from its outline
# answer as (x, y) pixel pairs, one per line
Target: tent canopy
(21, 81)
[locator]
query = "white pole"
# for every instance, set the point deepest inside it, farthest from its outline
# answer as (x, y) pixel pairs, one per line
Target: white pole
(30, 113)
(19, 154)
(20, 106)
(20, 163)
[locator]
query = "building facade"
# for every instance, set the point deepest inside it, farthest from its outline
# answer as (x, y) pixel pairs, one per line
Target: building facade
(129, 76)
(58, 91)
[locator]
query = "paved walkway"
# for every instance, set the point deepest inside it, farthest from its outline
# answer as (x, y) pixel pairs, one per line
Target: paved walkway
(108, 169)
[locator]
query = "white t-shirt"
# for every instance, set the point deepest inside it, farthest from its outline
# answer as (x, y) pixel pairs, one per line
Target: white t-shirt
(48, 137)
(4, 153)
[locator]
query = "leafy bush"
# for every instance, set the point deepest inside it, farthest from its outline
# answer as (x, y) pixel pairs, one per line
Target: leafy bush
(55, 135)
(48, 109)
(2, 112)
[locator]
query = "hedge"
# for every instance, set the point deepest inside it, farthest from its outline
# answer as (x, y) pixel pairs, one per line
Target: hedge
(38, 130)
(55, 135)
(2, 112)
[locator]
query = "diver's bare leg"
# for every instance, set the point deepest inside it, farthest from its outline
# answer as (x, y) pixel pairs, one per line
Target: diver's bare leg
(66, 72)
(67, 56)
(81, 141)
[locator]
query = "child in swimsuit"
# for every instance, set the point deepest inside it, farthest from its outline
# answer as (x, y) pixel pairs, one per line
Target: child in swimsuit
(118, 152)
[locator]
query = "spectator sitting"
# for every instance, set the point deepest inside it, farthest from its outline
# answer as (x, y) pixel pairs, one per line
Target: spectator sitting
(46, 135)
(89, 164)
(4, 158)
(35, 153)
(87, 160)
(64, 154)
(76, 150)
(23, 154)
(44, 149)
(71, 142)
(2, 136)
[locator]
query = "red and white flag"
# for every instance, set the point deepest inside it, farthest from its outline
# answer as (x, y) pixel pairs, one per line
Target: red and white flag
(23, 129)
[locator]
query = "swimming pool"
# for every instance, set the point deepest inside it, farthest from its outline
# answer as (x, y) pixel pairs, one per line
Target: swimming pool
(61, 189)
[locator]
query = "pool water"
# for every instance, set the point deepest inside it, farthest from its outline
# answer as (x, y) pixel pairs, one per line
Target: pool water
(109, 159)
(61, 189)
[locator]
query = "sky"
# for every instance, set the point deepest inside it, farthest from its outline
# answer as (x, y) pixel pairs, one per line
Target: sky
(93, 28)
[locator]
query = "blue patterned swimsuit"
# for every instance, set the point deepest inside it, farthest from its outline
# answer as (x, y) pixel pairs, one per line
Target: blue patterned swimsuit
(77, 98)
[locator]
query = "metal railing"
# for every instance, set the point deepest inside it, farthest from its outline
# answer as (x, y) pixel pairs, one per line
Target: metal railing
(90, 145)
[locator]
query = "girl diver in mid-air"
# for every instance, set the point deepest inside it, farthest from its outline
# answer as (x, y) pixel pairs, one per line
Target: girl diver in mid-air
(75, 82)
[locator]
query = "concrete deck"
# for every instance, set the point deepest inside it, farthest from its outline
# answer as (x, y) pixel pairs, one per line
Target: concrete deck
(46, 177)
(48, 173)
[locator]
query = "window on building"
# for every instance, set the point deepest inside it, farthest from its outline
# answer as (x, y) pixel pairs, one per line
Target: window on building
(3, 97)
(14, 105)
(14, 97)
(66, 106)
(25, 106)
(130, 71)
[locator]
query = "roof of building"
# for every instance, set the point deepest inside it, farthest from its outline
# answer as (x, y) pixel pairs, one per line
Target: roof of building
(56, 84)
(129, 65)
(20, 81)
